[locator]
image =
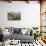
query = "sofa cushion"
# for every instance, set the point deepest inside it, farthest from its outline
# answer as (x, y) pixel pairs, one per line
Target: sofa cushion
(22, 38)
(23, 31)
(17, 30)
(28, 31)
(11, 30)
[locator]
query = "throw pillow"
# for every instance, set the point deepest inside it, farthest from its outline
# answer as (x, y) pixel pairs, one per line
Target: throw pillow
(23, 31)
(17, 30)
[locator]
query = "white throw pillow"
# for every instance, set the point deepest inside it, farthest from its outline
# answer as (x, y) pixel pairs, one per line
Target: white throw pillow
(5, 32)
(23, 31)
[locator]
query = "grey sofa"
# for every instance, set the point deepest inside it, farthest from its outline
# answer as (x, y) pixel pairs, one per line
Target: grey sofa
(17, 35)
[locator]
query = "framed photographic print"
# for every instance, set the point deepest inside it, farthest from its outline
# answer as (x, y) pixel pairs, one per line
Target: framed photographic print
(14, 16)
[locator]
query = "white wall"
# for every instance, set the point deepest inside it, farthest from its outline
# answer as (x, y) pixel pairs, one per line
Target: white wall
(30, 14)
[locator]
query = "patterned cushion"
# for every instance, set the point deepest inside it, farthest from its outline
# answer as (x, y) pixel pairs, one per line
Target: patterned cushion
(17, 30)
(11, 30)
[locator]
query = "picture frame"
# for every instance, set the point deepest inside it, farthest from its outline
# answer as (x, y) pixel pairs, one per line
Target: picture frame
(14, 16)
